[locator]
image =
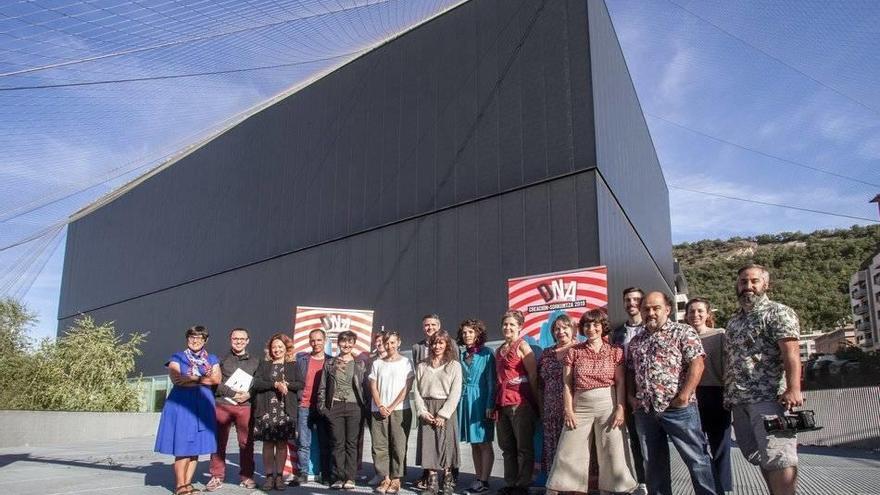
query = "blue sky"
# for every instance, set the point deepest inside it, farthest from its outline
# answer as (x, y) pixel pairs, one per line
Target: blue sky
(744, 99)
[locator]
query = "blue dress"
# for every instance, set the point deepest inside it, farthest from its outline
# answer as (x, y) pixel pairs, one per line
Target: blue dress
(188, 424)
(477, 395)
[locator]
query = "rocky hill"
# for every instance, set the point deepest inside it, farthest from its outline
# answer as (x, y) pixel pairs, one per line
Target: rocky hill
(809, 272)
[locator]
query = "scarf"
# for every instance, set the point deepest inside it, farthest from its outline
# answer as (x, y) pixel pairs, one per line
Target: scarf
(198, 361)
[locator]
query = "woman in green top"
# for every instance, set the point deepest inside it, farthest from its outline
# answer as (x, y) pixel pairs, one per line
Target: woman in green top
(341, 400)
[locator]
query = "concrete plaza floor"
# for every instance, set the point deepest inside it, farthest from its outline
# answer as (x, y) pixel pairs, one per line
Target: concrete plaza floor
(129, 466)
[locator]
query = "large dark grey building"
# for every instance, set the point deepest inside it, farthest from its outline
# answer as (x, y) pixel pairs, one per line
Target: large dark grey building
(503, 138)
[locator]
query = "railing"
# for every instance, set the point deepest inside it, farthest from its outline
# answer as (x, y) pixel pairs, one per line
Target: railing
(850, 417)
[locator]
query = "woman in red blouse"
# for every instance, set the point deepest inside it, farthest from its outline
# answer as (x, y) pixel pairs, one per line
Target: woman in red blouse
(593, 400)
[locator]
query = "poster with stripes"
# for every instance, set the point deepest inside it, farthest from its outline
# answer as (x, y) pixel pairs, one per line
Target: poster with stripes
(542, 298)
(332, 321)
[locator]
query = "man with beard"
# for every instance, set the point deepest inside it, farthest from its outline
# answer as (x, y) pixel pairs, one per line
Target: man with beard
(763, 377)
(621, 336)
(666, 361)
(233, 407)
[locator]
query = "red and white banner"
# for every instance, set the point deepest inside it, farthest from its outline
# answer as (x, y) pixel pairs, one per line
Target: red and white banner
(543, 297)
(332, 321)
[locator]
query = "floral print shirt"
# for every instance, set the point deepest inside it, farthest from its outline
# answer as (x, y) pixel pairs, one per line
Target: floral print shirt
(659, 360)
(754, 370)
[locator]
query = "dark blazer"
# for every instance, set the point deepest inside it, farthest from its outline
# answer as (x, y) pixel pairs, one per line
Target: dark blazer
(264, 388)
(302, 365)
(327, 388)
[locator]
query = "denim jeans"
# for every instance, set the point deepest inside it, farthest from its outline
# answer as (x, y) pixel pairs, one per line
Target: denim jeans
(310, 422)
(683, 427)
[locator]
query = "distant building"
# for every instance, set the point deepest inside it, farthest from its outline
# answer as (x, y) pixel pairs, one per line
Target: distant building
(864, 287)
(865, 303)
(808, 345)
(681, 291)
(835, 340)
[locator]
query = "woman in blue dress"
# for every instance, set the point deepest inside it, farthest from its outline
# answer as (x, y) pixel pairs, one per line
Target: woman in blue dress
(187, 426)
(475, 412)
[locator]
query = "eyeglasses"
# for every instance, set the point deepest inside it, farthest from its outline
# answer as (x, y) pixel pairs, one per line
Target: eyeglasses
(195, 337)
(239, 339)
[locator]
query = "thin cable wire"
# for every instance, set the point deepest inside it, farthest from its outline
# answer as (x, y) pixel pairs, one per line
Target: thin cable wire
(178, 76)
(759, 152)
(778, 205)
(163, 45)
(777, 59)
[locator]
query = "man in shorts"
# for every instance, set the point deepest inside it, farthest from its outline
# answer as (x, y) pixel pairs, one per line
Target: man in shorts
(763, 377)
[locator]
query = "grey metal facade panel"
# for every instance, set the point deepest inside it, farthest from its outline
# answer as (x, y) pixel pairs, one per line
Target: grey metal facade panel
(469, 104)
(848, 417)
(455, 262)
(623, 251)
(625, 153)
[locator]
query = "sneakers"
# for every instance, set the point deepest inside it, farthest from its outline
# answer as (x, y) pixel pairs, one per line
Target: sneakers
(348, 485)
(337, 485)
(642, 489)
(383, 486)
(478, 487)
(394, 487)
(248, 483)
(214, 484)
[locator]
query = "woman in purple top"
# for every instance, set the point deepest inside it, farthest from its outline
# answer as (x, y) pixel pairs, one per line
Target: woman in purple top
(187, 427)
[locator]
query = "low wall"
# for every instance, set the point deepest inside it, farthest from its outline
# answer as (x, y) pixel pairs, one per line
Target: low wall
(25, 428)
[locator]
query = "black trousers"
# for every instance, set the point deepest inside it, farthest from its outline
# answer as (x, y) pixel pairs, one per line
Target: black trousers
(635, 446)
(345, 424)
(716, 425)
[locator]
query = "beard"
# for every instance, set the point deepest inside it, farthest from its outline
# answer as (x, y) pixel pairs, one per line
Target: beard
(747, 297)
(652, 324)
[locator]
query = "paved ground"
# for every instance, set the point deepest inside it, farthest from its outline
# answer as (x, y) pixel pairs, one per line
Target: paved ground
(130, 467)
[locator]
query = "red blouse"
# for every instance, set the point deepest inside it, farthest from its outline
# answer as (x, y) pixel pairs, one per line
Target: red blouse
(512, 380)
(591, 369)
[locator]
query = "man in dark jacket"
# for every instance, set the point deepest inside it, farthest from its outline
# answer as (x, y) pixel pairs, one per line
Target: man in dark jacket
(233, 406)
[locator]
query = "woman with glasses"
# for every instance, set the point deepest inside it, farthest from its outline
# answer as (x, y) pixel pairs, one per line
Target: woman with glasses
(187, 426)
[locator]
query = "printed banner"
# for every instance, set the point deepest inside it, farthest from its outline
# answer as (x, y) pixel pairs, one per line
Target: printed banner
(542, 298)
(332, 321)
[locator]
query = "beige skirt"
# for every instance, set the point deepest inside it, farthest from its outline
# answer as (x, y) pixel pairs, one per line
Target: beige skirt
(571, 465)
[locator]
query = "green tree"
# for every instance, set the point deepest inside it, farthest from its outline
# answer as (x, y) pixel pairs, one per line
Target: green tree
(85, 369)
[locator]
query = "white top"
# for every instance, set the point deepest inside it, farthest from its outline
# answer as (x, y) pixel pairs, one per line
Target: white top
(631, 332)
(390, 378)
(443, 382)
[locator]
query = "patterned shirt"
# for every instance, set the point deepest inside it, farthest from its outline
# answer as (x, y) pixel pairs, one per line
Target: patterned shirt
(755, 371)
(591, 369)
(659, 362)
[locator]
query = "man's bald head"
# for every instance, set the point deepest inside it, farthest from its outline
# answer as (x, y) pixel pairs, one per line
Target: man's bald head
(656, 307)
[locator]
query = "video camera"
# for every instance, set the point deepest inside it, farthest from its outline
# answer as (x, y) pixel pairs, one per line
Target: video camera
(794, 421)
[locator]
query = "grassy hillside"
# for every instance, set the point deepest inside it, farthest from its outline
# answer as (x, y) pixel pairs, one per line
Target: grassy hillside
(809, 272)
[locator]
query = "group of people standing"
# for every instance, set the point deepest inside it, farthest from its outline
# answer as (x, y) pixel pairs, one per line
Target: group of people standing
(617, 396)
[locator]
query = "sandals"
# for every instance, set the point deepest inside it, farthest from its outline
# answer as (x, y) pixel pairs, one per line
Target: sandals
(183, 490)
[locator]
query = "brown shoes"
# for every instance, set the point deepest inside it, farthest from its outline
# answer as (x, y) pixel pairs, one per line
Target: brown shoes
(383, 486)
(394, 487)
